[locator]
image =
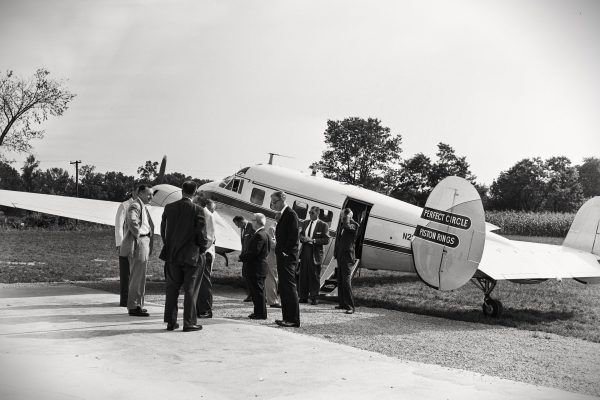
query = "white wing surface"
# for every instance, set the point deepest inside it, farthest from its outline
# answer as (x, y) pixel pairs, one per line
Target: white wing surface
(102, 212)
(509, 259)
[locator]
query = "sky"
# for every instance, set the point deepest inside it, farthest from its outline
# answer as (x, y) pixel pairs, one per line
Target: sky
(216, 85)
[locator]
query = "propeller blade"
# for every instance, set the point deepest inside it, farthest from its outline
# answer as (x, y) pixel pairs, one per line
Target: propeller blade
(161, 172)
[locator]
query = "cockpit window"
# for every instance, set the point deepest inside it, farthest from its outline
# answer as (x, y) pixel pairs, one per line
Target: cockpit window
(225, 181)
(243, 171)
(235, 185)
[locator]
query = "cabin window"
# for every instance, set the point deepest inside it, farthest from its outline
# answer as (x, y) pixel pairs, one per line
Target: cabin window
(257, 196)
(326, 215)
(235, 185)
(301, 209)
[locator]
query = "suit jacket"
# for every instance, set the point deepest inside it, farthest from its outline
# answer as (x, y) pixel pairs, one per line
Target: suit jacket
(344, 245)
(120, 220)
(134, 217)
(246, 234)
(256, 253)
(183, 231)
(320, 237)
(287, 234)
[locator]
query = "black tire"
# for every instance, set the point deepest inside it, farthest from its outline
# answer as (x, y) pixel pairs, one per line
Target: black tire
(491, 307)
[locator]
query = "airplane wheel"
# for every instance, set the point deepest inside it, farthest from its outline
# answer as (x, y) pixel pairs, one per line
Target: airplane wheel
(492, 307)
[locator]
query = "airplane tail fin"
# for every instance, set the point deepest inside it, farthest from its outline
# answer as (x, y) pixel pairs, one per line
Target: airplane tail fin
(448, 242)
(584, 233)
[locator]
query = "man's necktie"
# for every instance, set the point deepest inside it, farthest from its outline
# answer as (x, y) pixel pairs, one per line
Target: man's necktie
(308, 230)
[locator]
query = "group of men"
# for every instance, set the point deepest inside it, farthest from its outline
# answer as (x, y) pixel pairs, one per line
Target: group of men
(188, 235)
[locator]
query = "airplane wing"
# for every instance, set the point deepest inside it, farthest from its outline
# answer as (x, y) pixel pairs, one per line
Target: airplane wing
(515, 260)
(102, 212)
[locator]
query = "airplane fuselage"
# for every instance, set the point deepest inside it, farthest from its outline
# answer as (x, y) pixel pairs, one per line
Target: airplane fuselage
(387, 224)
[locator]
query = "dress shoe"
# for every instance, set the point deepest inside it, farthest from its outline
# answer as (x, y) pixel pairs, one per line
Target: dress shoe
(350, 311)
(313, 302)
(254, 316)
(191, 328)
(207, 314)
(287, 324)
(172, 327)
(247, 299)
(138, 312)
(276, 305)
(303, 301)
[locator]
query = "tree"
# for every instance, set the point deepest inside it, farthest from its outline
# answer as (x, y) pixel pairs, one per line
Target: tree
(563, 189)
(360, 152)
(53, 181)
(28, 102)
(522, 187)
(413, 180)
(418, 175)
(448, 164)
(589, 176)
(148, 172)
(9, 177)
(30, 166)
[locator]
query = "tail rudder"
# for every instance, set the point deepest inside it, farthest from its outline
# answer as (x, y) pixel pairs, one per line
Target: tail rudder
(584, 233)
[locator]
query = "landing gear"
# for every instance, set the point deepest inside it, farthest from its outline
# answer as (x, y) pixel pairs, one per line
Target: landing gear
(491, 307)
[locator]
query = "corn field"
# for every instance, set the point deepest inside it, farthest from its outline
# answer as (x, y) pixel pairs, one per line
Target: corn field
(530, 223)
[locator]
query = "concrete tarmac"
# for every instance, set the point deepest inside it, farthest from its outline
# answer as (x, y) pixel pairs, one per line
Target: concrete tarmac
(66, 342)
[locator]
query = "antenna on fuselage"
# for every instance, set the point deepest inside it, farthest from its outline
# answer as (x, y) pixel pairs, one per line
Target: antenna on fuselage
(275, 154)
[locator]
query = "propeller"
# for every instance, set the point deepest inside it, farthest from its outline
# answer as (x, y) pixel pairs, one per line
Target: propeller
(161, 171)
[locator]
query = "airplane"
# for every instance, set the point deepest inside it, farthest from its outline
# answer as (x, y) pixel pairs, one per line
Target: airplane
(446, 244)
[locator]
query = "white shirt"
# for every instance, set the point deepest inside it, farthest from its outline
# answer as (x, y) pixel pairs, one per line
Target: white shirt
(311, 227)
(145, 228)
(210, 231)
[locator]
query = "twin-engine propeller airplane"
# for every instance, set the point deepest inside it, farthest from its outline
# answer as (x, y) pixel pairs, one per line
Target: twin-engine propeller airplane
(447, 243)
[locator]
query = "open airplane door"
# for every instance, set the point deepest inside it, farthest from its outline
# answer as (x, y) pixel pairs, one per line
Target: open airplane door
(448, 242)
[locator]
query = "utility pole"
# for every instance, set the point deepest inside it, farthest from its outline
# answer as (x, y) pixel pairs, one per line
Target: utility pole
(76, 176)
(76, 182)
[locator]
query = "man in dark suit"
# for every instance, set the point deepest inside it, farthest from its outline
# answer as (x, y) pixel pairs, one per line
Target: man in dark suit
(313, 235)
(344, 253)
(183, 231)
(286, 250)
(246, 232)
(255, 258)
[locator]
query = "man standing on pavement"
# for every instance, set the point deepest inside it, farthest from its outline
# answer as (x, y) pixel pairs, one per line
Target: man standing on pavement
(204, 295)
(123, 261)
(313, 235)
(183, 232)
(255, 258)
(137, 246)
(286, 251)
(246, 232)
(344, 253)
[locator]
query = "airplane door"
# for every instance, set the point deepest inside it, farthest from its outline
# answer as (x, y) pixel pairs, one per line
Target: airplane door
(361, 211)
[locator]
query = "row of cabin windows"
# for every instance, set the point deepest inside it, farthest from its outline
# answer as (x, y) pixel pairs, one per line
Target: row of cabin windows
(258, 197)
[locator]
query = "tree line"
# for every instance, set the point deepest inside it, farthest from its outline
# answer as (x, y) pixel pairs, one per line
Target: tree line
(110, 186)
(363, 152)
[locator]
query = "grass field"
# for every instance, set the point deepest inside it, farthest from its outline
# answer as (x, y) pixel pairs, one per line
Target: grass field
(565, 308)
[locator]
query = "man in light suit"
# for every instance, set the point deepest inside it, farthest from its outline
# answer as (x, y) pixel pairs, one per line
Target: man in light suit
(183, 231)
(123, 261)
(286, 250)
(313, 235)
(255, 257)
(137, 246)
(203, 289)
(344, 253)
